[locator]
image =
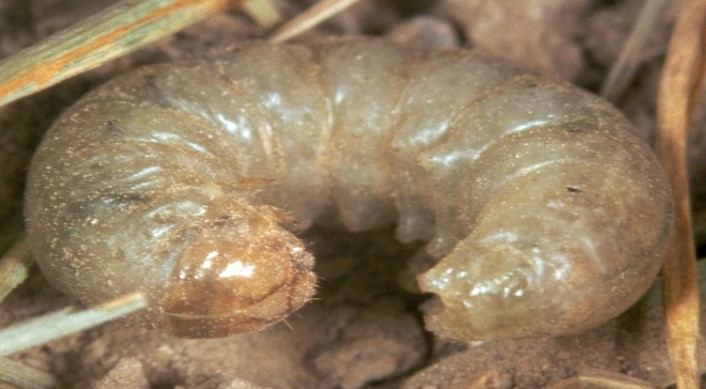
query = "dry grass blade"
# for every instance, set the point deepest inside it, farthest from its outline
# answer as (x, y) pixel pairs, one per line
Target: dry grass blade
(18, 375)
(65, 322)
(14, 267)
(679, 87)
(311, 17)
(264, 12)
(122, 28)
(490, 378)
(601, 379)
(653, 298)
(623, 70)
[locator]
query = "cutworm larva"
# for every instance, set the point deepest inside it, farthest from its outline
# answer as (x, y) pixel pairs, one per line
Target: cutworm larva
(187, 181)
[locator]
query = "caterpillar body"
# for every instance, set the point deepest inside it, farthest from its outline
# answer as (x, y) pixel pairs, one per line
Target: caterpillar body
(187, 181)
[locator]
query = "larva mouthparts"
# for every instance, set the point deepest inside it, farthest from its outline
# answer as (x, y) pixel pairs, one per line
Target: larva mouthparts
(548, 214)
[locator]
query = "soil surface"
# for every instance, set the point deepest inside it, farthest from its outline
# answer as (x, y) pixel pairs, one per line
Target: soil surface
(365, 327)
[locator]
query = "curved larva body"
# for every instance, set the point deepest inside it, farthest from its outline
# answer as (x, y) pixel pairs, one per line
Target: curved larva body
(550, 216)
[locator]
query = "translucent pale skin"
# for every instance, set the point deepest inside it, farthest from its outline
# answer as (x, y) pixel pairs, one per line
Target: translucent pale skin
(185, 180)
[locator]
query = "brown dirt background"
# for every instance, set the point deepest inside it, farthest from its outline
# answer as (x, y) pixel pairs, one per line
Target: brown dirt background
(365, 328)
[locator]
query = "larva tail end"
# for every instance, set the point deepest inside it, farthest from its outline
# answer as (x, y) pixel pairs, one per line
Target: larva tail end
(244, 277)
(489, 300)
(554, 254)
(513, 293)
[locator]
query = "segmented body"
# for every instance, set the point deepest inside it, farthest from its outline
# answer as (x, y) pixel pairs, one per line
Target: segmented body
(185, 181)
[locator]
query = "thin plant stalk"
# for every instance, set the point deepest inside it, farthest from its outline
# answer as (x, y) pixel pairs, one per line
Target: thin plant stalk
(623, 70)
(18, 375)
(319, 12)
(679, 89)
(14, 267)
(113, 32)
(67, 321)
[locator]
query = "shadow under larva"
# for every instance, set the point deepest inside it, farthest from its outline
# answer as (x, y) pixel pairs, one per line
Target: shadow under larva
(189, 181)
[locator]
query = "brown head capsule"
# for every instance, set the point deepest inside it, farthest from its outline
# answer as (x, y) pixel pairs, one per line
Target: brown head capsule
(549, 215)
